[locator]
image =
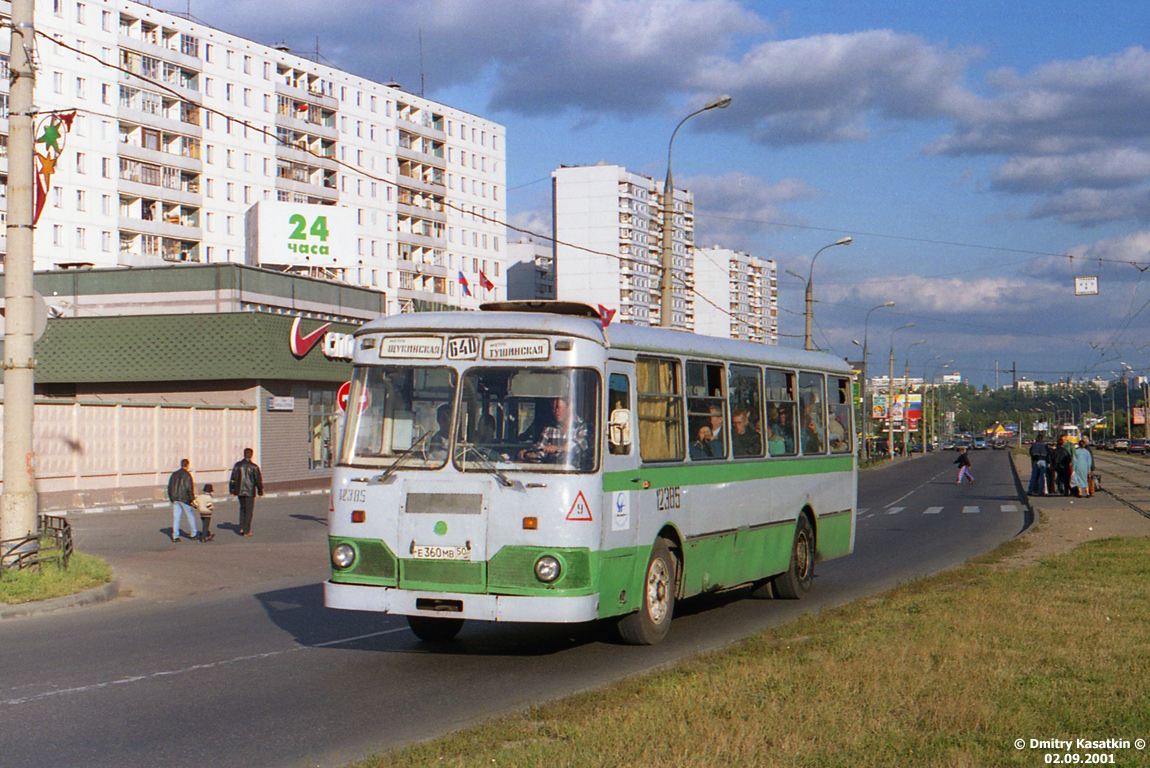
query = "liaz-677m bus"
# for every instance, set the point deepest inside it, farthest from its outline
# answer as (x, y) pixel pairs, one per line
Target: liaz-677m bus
(526, 464)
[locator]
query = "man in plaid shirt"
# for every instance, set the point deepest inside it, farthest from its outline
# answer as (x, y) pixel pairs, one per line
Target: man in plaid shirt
(565, 440)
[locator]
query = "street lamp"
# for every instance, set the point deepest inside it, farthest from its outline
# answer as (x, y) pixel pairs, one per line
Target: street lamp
(666, 300)
(863, 388)
(810, 278)
(925, 413)
(890, 391)
(906, 407)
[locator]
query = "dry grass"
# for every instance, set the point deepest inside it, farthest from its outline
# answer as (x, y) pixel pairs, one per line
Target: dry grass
(948, 671)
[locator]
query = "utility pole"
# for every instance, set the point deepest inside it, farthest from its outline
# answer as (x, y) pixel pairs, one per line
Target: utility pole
(18, 513)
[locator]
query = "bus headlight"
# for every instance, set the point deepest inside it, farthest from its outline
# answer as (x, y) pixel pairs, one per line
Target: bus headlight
(547, 569)
(343, 556)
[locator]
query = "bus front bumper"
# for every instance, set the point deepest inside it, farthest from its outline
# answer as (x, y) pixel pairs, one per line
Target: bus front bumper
(407, 602)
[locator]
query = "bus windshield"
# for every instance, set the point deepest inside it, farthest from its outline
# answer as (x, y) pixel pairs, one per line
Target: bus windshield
(404, 411)
(528, 419)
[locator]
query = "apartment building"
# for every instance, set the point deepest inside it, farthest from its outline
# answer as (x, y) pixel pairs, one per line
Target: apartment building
(531, 271)
(608, 230)
(164, 164)
(737, 295)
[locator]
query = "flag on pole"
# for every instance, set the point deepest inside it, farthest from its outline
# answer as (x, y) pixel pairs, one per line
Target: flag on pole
(605, 315)
(483, 281)
(463, 284)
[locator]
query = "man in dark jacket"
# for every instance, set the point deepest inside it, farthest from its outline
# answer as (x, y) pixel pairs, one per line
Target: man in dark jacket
(1039, 453)
(246, 484)
(181, 491)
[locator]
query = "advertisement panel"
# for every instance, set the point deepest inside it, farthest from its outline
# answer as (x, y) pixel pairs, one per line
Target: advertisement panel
(299, 234)
(909, 406)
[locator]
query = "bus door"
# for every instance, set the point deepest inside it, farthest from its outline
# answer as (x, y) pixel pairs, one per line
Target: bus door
(621, 492)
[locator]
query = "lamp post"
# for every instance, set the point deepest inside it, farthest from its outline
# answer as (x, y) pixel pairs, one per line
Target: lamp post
(810, 296)
(1125, 386)
(923, 418)
(934, 395)
(666, 301)
(906, 407)
(890, 392)
(863, 388)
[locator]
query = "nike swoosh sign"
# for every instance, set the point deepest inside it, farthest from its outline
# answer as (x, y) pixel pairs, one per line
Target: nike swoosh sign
(301, 344)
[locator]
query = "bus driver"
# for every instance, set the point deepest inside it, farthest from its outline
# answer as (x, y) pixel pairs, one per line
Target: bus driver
(565, 440)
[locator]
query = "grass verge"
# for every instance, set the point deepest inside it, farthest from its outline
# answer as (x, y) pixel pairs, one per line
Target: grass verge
(25, 586)
(947, 671)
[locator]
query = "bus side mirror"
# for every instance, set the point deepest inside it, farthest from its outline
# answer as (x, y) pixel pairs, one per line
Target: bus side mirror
(619, 431)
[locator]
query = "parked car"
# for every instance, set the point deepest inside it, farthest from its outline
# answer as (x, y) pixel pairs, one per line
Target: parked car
(1137, 445)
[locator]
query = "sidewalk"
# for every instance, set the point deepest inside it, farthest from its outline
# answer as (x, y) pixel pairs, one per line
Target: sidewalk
(1064, 522)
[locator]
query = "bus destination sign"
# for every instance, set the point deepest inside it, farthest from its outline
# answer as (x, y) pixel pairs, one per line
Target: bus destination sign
(516, 349)
(415, 347)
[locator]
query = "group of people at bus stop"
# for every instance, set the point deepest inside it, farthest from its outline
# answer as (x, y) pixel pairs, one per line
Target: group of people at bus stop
(1061, 469)
(246, 483)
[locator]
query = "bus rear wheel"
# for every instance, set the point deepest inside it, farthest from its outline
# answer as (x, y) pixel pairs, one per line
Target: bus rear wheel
(434, 630)
(800, 573)
(651, 622)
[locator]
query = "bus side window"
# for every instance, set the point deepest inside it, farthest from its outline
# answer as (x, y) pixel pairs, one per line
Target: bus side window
(814, 413)
(746, 412)
(619, 415)
(660, 409)
(839, 430)
(707, 411)
(781, 417)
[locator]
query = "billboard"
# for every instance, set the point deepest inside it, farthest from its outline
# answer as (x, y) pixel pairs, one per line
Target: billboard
(909, 406)
(299, 234)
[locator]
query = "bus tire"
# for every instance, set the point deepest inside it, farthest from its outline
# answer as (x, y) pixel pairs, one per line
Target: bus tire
(800, 573)
(650, 623)
(434, 630)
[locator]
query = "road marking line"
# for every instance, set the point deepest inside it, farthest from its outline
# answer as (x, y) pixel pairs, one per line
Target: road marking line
(193, 668)
(970, 510)
(932, 510)
(894, 510)
(1008, 508)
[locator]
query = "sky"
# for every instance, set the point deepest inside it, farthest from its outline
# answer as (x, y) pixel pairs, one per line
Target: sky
(980, 154)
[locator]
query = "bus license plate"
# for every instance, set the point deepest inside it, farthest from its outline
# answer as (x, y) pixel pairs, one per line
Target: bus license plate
(440, 553)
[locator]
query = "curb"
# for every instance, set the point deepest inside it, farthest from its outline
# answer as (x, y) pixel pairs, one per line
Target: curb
(101, 594)
(128, 507)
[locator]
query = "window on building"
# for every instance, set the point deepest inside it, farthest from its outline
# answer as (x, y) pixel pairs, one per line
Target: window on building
(323, 416)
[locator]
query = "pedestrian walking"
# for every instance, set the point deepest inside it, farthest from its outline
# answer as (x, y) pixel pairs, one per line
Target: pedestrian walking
(181, 492)
(963, 462)
(1039, 454)
(1082, 466)
(203, 504)
(247, 482)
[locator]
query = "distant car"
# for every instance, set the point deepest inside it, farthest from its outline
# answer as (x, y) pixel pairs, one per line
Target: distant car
(980, 444)
(1137, 445)
(998, 444)
(948, 445)
(1120, 443)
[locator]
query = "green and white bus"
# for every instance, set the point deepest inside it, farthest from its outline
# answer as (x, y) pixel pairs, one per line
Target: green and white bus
(526, 464)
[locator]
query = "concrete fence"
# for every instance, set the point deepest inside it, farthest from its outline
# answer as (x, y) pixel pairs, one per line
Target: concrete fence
(99, 451)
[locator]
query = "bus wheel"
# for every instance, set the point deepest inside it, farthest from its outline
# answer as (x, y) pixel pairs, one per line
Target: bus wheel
(436, 630)
(650, 623)
(801, 573)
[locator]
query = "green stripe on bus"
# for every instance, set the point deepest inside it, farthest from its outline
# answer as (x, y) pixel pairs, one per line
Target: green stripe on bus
(724, 472)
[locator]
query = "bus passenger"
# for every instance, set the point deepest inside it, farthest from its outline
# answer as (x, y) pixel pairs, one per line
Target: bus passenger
(565, 440)
(701, 448)
(745, 439)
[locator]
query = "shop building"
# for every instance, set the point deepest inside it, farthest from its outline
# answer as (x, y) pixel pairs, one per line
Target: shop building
(139, 368)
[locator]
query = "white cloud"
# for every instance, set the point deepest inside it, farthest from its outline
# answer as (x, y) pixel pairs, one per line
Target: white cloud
(733, 209)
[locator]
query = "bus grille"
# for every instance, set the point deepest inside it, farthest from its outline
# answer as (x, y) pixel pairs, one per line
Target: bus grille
(430, 574)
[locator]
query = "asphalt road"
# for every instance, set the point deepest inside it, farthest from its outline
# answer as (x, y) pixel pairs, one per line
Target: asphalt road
(251, 670)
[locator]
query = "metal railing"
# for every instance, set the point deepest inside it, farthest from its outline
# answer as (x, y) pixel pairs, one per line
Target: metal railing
(51, 543)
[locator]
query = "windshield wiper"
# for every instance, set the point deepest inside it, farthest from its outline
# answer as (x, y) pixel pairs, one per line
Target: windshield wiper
(403, 457)
(485, 463)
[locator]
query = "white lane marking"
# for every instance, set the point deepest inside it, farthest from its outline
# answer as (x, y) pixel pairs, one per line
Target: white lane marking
(924, 483)
(1008, 508)
(894, 510)
(970, 510)
(193, 668)
(932, 510)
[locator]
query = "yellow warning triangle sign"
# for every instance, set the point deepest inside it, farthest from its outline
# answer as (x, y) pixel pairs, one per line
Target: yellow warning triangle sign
(579, 510)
